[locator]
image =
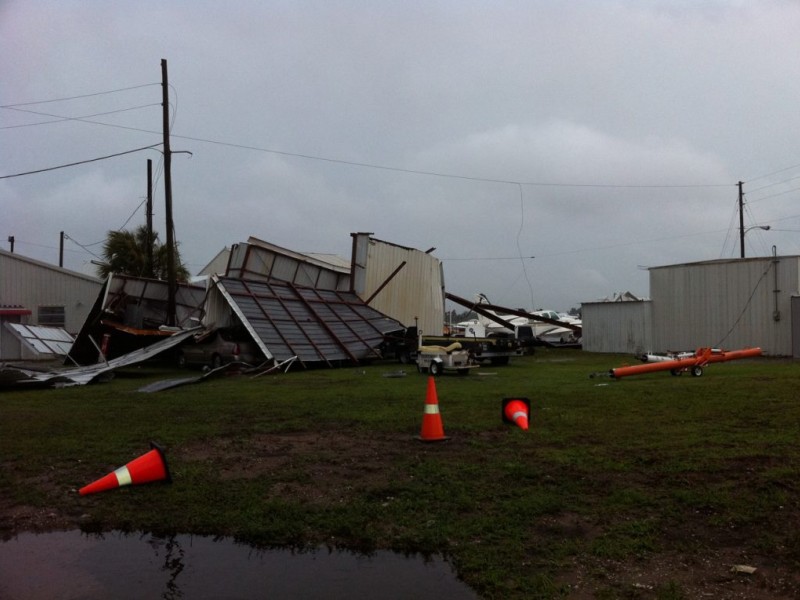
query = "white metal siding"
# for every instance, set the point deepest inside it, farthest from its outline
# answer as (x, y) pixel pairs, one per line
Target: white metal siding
(32, 284)
(731, 304)
(617, 326)
(414, 296)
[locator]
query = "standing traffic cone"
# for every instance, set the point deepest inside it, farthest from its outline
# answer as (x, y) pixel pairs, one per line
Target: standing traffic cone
(516, 410)
(432, 430)
(148, 467)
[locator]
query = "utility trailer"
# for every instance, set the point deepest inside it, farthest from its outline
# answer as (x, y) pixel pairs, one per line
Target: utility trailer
(496, 349)
(441, 359)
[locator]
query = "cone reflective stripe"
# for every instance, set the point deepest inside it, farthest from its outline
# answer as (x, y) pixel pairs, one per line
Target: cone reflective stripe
(516, 410)
(149, 467)
(432, 429)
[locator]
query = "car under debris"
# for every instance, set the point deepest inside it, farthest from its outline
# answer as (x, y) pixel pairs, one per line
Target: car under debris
(216, 347)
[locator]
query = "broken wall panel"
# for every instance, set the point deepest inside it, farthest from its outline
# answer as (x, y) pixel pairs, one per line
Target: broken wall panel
(128, 313)
(404, 283)
(314, 325)
(258, 260)
(43, 340)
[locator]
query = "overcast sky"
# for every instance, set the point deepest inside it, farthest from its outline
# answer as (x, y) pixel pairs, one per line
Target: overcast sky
(599, 137)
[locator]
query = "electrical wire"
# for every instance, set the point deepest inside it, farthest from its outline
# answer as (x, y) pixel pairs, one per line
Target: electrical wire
(746, 305)
(775, 195)
(763, 187)
(519, 249)
(80, 162)
(84, 247)
(731, 226)
(445, 175)
(125, 89)
(60, 119)
(773, 173)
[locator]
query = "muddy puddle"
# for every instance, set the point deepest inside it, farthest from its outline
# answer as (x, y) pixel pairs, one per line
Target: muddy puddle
(71, 565)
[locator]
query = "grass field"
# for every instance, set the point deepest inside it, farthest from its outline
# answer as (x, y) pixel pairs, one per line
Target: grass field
(646, 487)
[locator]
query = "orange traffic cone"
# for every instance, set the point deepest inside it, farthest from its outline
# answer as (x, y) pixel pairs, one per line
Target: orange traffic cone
(432, 429)
(148, 467)
(516, 410)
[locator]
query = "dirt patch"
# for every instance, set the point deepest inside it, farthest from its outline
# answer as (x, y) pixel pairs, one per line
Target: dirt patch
(343, 463)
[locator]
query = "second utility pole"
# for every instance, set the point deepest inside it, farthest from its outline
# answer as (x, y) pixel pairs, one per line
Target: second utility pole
(168, 197)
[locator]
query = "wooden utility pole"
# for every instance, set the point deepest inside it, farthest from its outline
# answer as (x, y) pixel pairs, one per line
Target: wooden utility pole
(61, 250)
(741, 219)
(149, 256)
(168, 197)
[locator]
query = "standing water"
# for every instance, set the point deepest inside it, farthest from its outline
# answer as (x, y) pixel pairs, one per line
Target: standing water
(70, 565)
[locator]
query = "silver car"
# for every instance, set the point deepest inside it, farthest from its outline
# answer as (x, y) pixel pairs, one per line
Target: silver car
(219, 347)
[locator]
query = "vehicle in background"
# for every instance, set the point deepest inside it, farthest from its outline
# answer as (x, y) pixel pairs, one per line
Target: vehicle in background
(216, 347)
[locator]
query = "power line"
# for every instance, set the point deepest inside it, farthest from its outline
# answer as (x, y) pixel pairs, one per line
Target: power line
(59, 119)
(774, 195)
(125, 89)
(439, 174)
(773, 173)
(357, 163)
(81, 162)
(763, 187)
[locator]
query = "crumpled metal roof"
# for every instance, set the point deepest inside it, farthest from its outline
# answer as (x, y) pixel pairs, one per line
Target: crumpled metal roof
(314, 325)
(10, 375)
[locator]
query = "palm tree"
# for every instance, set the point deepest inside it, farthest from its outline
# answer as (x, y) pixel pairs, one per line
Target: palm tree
(125, 252)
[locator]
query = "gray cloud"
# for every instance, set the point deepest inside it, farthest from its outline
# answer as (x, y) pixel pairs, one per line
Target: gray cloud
(610, 100)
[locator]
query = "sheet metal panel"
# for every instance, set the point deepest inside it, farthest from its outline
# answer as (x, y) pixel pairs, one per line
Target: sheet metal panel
(257, 260)
(43, 340)
(314, 325)
(413, 295)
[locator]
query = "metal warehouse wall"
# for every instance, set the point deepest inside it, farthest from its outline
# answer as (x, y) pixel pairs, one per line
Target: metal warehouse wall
(31, 284)
(728, 303)
(415, 291)
(617, 326)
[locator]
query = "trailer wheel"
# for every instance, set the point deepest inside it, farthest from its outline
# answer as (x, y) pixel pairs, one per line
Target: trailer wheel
(675, 372)
(697, 371)
(435, 369)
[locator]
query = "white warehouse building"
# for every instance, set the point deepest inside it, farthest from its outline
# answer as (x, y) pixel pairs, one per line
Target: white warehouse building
(37, 293)
(728, 303)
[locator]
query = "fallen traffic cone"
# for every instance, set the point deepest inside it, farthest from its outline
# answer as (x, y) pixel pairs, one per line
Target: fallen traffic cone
(432, 429)
(148, 467)
(516, 410)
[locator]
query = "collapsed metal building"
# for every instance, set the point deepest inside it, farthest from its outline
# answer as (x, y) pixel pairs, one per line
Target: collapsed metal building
(319, 308)
(322, 308)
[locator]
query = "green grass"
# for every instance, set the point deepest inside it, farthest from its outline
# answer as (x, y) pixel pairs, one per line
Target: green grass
(611, 474)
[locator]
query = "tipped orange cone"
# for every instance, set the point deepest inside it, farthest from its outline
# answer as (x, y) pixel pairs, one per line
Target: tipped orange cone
(516, 410)
(432, 429)
(148, 467)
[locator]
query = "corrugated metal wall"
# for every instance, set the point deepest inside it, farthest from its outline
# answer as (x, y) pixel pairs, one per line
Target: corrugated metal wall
(731, 304)
(402, 283)
(32, 284)
(617, 326)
